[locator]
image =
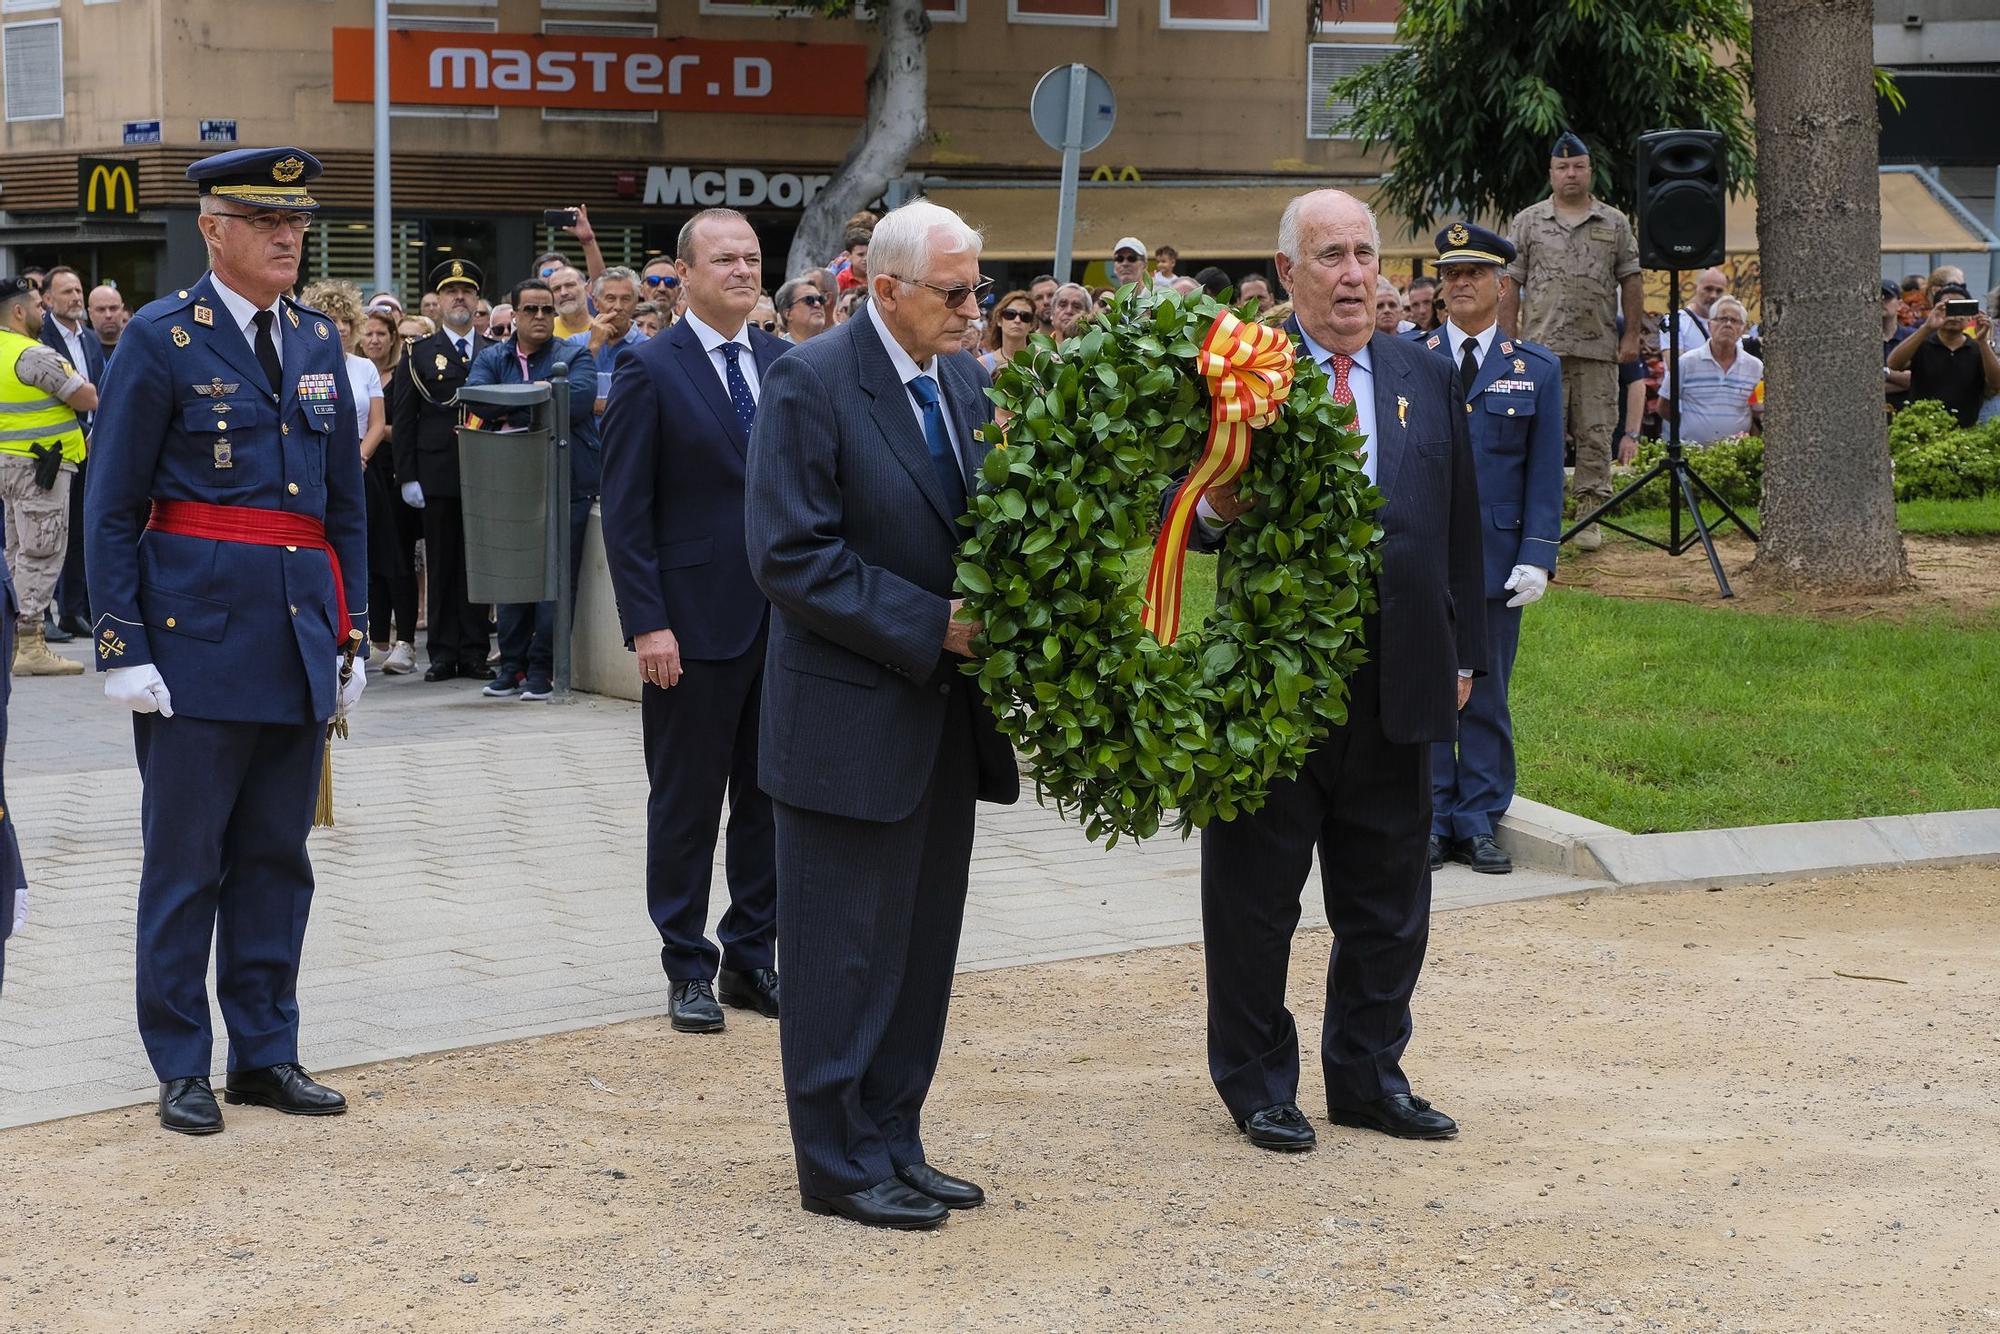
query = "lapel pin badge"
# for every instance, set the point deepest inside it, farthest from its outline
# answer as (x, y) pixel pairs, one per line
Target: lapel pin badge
(1402, 411)
(181, 338)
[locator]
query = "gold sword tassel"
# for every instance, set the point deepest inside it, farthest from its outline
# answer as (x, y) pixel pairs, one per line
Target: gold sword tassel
(323, 811)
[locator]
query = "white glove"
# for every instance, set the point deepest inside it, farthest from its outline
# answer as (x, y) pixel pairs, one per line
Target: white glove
(140, 689)
(1527, 584)
(350, 692)
(413, 495)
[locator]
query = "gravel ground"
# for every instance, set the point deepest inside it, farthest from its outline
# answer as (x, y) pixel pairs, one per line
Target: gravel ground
(1701, 1111)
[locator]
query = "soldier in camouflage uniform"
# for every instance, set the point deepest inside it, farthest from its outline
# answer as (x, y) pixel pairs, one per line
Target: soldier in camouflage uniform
(1577, 261)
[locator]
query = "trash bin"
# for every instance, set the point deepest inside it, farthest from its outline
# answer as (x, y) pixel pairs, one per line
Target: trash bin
(507, 493)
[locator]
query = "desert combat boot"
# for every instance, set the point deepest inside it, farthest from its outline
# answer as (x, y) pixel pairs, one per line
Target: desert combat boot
(34, 657)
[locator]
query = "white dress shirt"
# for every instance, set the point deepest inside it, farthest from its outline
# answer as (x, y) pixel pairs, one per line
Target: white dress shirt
(1454, 338)
(907, 370)
(462, 343)
(73, 340)
(1361, 383)
(711, 340)
(244, 316)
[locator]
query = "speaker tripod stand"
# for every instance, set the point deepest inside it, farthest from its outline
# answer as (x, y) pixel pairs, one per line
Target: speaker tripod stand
(1683, 484)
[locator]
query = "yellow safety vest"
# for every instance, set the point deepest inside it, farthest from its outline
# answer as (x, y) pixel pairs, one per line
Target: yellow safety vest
(30, 416)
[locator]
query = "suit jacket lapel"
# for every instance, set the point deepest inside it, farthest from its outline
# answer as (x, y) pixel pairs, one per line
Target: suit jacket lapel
(1392, 380)
(966, 419)
(700, 370)
(225, 339)
(296, 348)
(895, 415)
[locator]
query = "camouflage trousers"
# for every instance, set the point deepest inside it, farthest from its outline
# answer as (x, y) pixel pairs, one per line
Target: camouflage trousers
(37, 531)
(1590, 416)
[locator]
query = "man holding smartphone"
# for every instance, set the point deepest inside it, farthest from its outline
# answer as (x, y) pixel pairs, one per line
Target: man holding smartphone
(1950, 356)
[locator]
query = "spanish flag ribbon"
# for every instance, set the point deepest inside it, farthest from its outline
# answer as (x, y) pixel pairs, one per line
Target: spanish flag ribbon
(1249, 372)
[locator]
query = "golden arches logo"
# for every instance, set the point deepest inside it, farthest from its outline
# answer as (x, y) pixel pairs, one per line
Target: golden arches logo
(104, 186)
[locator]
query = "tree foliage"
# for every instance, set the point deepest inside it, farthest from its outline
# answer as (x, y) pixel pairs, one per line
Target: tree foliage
(1481, 88)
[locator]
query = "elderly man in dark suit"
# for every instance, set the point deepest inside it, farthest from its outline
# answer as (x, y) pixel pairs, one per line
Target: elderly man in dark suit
(1364, 797)
(875, 746)
(676, 434)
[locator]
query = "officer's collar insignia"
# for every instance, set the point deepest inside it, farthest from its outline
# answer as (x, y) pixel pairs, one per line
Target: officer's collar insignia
(319, 327)
(1506, 349)
(1458, 235)
(110, 645)
(216, 388)
(181, 338)
(1432, 341)
(1520, 366)
(204, 317)
(286, 170)
(292, 315)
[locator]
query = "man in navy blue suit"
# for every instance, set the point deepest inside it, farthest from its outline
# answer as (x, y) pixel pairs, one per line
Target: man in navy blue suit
(875, 745)
(226, 536)
(1513, 405)
(676, 433)
(1363, 799)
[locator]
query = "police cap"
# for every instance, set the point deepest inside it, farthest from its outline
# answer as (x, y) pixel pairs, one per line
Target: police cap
(455, 271)
(260, 177)
(1469, 243)
(15, 286)
(1568, 145)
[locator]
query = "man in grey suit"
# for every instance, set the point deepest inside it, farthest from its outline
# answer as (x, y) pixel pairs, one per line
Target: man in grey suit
(874, 747)
(1363, 799)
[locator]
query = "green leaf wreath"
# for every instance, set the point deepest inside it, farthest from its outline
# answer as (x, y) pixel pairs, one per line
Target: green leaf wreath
(1119, 729)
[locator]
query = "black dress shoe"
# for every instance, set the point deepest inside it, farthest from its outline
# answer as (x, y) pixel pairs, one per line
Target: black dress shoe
(1482, 854)
(1437, 852)
(52, 630)
(950, 1191)
(441, 671)
(480, 673)
(187, 1106)
(1282, 1128)
(284, 1087)
(692, 1008)
(76, 625)
(1404, 1115)
(751, 989)
(888, 1203)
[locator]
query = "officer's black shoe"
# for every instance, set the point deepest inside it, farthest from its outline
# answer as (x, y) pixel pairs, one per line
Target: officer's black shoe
(752, 989)
(441, 671)
(76, 625)
(53, 631)
(284, 1087)
(1437, 852)
(480, 673)
(1482, 854)
(692, 1008)
(1282, 1128)
(187, 1106)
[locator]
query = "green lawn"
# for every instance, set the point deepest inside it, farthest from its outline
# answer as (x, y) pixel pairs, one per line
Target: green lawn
(1937, 518)
(1666, 716)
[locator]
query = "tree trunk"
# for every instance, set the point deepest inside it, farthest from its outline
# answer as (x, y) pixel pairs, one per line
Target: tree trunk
(1829, 506)
(898, 88)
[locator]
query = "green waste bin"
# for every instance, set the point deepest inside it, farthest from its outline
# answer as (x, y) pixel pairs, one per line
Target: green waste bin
(507, 492)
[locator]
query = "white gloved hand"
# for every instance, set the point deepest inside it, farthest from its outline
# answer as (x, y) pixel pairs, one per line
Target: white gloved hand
(140, 689)
(413, 495)
(1527, 584)
(350, 693)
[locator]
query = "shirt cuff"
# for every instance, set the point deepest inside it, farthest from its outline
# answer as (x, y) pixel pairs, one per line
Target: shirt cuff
(1211, 522)
(1465, 673)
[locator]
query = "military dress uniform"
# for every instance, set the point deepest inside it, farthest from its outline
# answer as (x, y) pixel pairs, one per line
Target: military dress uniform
(1514, 408)
(226, 533)
(424, 413)
(13, 878)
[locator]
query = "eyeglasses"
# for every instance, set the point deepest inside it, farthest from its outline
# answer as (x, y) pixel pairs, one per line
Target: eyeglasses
(662, 280)
(956, 294)
(270, 222)
(768, 326)
(814, 300)
(534, 311)
(1024, 316)
(1127, 257)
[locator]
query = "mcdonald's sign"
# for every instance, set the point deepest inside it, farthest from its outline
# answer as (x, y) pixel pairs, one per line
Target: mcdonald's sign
(107, 187)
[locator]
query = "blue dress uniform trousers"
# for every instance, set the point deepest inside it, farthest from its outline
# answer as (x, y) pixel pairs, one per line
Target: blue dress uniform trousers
(13, 878)
(1473, 784)
(245, 637)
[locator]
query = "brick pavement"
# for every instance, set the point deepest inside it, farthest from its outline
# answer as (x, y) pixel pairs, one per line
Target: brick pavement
(485, 881)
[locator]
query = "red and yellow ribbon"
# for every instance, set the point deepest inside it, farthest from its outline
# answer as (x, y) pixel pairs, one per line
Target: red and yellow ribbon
(1249, 372)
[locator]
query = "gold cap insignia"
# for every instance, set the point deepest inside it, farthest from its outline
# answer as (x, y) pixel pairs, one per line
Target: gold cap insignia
(204, 317)
(457, 269)
(1458, 235)
(181, 338)
(286, 170)
(319, 327)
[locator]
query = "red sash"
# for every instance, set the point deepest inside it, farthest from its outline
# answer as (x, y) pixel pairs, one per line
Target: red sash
(257, 527)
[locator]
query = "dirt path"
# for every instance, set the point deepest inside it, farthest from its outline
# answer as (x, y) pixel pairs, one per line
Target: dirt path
(1678, 1115)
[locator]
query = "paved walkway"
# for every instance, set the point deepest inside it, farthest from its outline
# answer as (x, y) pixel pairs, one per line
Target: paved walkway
(485, 881)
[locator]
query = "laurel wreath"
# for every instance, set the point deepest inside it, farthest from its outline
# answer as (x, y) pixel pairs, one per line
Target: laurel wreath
(1121, 731)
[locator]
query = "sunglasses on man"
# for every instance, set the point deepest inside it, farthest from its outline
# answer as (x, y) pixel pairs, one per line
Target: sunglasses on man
(955, 295)
(662, 280)
(815, 300)
(534, 311)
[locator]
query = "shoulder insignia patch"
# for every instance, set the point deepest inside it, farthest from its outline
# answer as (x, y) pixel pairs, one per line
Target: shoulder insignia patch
(1506, 349)
(319, 327)
(180, 335)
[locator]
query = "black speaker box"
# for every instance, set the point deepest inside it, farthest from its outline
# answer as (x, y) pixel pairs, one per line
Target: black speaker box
(1683, 191)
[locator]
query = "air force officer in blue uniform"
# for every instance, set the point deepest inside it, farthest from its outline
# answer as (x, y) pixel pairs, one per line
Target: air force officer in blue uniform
(1513, 406)
(225, 518)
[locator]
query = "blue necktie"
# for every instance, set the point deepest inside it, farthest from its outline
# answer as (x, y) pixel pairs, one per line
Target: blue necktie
(924, 389)
(739, 388)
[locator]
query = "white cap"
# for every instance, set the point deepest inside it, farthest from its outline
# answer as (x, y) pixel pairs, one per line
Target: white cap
(1131, 243)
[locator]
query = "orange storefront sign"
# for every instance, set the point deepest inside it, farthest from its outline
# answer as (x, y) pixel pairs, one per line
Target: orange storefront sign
(614, 73)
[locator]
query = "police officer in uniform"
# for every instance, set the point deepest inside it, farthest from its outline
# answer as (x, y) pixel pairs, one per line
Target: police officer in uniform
(1514, 408)
(424, 412)
(226, 533)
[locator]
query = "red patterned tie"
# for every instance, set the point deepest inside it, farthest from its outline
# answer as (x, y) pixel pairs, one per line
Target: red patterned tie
(1341, 392)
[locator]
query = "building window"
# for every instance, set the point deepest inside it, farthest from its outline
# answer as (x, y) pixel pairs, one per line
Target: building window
(428, 23)
(27, 6)
(945, 11)
(1094, 13)
(1241, 15)
(740, 8)
(628, 6)
(1326, 62)
(556, 27)
(31, 54)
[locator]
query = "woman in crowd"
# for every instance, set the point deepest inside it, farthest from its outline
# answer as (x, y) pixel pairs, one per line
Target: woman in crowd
(801, 310)
(393, 527)
(646, 318)
(764, 315)
(1007, 331)
(849, 304)
(413, 327)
